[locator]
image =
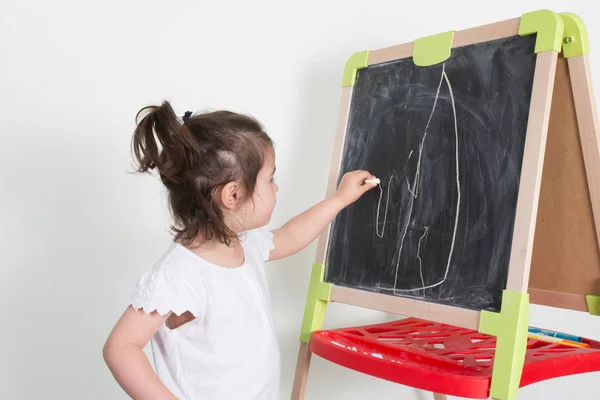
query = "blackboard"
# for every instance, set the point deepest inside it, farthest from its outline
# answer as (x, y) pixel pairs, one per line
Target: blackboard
(447, 143)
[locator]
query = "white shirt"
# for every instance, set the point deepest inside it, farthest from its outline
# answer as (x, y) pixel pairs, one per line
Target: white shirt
(230, 350)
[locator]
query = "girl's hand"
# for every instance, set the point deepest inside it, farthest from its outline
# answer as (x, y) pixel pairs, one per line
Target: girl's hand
(353, 186)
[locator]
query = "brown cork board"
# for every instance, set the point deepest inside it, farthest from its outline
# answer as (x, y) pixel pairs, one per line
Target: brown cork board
(566, 257)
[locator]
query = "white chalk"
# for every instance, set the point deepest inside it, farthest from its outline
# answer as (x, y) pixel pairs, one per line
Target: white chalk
(375, 181)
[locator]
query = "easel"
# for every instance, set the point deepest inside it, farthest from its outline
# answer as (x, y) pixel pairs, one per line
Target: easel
(568, 226)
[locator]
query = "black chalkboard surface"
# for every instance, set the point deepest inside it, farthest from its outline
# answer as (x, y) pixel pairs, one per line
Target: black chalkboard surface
(447, 143)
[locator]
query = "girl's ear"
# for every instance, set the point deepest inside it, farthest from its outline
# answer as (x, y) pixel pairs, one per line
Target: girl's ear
(231, 195)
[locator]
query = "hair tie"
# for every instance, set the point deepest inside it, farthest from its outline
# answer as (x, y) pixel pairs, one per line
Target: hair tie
(187, 116)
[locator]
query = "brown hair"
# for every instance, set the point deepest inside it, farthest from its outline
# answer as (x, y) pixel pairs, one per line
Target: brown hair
(198, 157)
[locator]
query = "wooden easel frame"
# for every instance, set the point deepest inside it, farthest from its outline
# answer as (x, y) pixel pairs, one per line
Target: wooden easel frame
(552, 39)
(574, 288)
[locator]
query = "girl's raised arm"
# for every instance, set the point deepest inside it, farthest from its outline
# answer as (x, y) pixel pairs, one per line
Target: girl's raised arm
(301, 230)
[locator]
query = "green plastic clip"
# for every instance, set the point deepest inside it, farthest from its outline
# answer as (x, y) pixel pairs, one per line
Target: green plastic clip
(575, 37)
(548, 26)
(316, 303)
(593, 303)
(433, 49)
(355, 62)
(510, 327)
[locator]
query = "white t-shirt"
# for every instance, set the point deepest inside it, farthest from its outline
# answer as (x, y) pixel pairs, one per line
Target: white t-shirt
(230, 350)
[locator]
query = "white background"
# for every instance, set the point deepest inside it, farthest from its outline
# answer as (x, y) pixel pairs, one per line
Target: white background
(77, 229)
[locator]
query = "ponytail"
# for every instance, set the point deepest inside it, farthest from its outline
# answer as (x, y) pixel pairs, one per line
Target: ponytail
(179, 150)
(196, 156)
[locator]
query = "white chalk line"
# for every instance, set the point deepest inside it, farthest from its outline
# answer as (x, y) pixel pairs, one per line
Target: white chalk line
(414, 195)
(416, 179)
(458, 197)
(406, 168)
(389, 188)
(419, 256)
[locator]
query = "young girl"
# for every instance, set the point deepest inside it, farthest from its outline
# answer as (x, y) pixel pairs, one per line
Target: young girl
(205, 304)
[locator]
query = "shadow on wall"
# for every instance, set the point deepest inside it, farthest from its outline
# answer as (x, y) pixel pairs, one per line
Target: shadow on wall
(305, 185)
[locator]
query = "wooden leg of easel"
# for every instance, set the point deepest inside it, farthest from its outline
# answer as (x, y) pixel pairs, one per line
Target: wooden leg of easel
(301, 372)
(438, 396)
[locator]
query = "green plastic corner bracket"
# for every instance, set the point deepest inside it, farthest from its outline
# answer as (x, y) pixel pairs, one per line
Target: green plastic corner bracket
(593, 303)
(510, 327)
(548, 26)
(575, 37)
(433, 49)
(316, 303)
(355, 62)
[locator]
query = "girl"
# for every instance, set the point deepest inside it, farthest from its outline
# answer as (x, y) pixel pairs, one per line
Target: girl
(205, 305)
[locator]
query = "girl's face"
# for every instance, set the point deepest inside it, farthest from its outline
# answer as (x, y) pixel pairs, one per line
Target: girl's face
(259, 209)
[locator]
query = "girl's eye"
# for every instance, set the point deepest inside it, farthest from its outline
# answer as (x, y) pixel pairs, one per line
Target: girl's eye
(272, 179)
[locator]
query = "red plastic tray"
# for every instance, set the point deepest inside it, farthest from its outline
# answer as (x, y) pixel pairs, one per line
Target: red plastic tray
(443, 358)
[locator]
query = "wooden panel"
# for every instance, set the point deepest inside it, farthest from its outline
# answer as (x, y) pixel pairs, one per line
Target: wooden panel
(566, 259)
(531, 172)
(408, 307)
(465, 37)
(338, 150)
(556, 299)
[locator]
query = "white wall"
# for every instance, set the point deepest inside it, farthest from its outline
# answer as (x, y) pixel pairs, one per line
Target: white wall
(77, 229)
